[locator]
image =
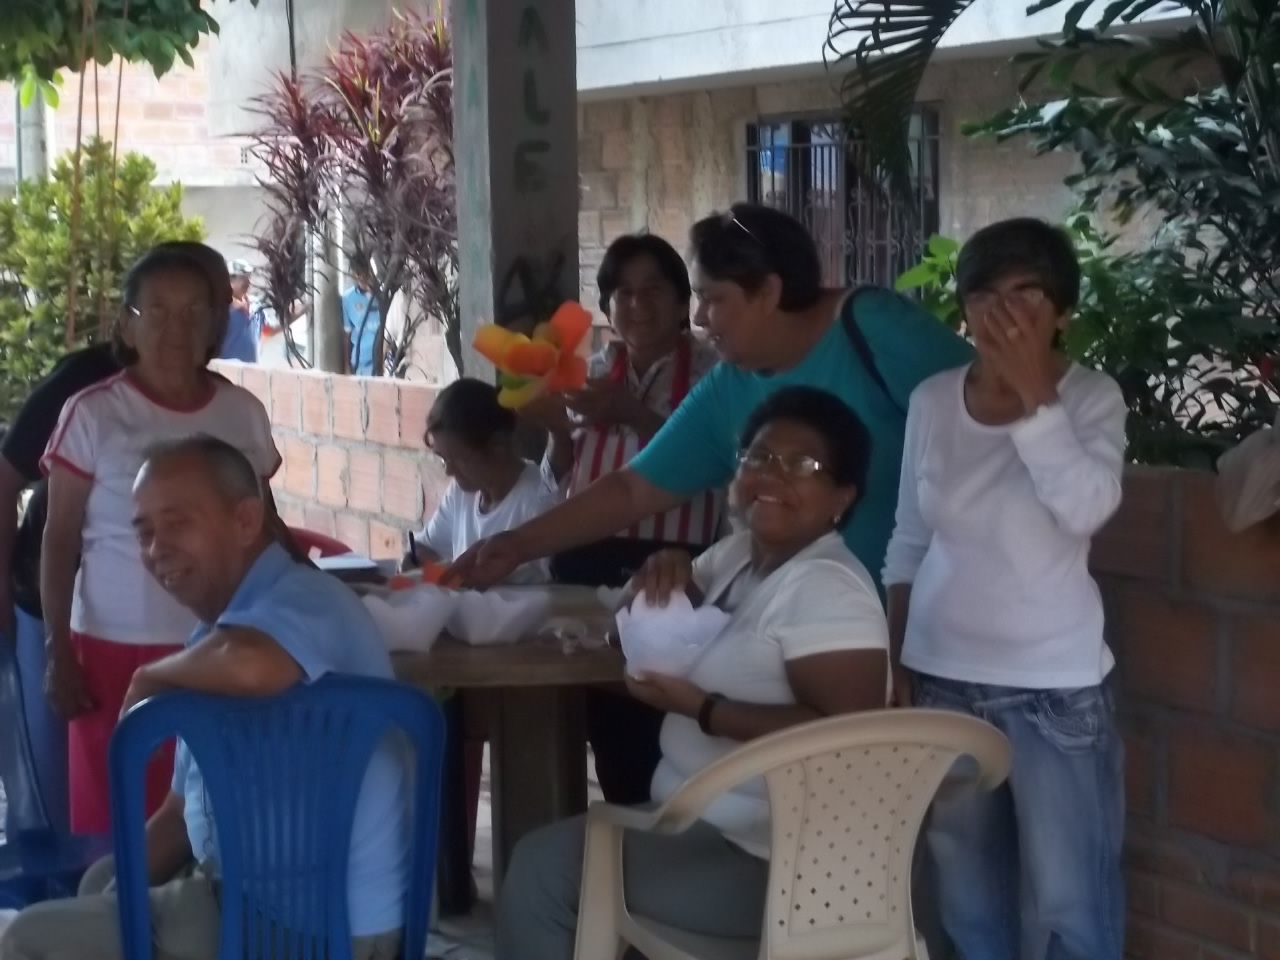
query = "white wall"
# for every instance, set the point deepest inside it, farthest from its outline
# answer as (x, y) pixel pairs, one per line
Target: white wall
(643, 46)
(253, 46)
(230, 215)
(625, 47)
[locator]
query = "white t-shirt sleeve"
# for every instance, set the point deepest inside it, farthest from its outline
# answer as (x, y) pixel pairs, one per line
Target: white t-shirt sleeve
(437, 535)
(911, 534)
(73, 445)
(823, 607)
(1076, 456)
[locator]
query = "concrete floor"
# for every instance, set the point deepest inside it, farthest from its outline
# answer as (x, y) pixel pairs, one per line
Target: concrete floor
(471, 937)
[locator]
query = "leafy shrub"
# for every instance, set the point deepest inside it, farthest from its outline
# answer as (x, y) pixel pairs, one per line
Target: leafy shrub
(120, 217)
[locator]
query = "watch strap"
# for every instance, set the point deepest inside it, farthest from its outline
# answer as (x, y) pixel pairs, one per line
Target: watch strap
(704, 712)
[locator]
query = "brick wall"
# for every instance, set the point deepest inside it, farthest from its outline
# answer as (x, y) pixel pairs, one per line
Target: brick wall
(1194, 618)
(354, 463)
(165, 118)
(659, 163)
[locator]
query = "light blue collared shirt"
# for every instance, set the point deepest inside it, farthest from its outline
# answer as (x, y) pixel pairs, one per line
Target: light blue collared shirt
(326, 629)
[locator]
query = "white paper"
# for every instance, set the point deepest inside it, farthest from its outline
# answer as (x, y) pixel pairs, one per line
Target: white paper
(667, 639)
(413, 619)
(499, 616)
(344, 562)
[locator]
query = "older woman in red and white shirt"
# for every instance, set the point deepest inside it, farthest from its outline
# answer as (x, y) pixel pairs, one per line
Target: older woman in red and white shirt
(635, 383)
(104, 614)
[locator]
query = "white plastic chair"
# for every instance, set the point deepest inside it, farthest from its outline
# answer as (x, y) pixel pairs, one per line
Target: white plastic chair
(847, 797)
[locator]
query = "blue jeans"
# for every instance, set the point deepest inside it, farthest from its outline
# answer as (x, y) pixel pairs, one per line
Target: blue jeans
(1032, 870)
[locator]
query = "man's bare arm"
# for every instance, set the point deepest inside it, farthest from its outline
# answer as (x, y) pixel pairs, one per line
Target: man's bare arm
(230, 662)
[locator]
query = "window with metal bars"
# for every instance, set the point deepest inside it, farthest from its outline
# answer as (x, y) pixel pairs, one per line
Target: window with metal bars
(808, 167)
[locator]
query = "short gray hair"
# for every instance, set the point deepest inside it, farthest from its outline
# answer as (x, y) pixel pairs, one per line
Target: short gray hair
(233, 475)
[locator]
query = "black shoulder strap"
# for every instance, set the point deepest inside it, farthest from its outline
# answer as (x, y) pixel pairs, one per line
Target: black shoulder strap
(862, 348)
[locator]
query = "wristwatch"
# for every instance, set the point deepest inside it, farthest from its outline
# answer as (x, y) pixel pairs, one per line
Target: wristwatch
(705, 711)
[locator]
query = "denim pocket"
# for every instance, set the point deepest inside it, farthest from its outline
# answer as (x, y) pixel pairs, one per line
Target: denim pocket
(1074, 721)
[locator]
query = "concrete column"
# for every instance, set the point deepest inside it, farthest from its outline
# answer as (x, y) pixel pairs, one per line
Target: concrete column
(515, 145)
(33, 160)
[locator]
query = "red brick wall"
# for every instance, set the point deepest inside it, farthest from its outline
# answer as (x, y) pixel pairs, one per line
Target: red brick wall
(354, 464)
(1194, 618)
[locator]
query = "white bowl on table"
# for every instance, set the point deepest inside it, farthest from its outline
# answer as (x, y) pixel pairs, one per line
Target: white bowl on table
(411, 620)
(503, 615)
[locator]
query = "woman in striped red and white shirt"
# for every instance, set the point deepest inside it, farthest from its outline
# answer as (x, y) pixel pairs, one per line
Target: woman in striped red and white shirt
(635, 383)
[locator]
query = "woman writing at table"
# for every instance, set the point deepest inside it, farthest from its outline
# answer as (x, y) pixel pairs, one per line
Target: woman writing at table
(637, 381)
(806, 639)
(491, 487)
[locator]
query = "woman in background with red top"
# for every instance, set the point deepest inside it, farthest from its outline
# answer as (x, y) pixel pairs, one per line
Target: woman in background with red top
(634, 384)
(105, 616)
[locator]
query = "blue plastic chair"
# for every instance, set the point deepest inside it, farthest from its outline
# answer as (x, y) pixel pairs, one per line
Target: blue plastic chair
(282, 775)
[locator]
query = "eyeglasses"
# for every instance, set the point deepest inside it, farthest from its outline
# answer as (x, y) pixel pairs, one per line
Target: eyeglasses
(796, 467)
(1028, 295)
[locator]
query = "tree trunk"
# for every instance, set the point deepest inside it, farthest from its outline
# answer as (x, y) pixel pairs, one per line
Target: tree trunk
(327, 348)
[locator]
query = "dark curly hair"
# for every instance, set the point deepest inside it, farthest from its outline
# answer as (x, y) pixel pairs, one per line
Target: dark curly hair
(751, 243)
(848, 442)
(632, 245)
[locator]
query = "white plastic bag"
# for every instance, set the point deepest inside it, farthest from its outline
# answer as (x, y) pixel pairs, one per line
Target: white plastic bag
(411, 619)
(504, 615)
(667, 639)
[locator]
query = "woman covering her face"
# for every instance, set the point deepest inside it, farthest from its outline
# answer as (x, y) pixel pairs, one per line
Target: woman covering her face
(1011, 465)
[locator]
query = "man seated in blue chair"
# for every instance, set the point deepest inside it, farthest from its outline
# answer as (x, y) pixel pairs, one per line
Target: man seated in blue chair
(267, 623)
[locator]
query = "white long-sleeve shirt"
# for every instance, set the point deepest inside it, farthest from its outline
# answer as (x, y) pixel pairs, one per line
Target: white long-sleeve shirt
(993, 532)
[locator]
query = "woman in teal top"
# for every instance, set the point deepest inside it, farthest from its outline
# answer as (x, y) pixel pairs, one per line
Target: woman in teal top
(758, 282)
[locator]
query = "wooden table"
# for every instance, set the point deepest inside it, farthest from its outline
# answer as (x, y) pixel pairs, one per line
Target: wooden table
(532, 693)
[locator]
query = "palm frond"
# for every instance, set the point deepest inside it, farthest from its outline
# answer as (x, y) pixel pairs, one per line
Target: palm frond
(882, 47)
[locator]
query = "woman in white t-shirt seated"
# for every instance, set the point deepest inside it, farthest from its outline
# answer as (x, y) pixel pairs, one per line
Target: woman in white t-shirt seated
(806, 639)
(1011, 465)
(104, 614)
(492, 488)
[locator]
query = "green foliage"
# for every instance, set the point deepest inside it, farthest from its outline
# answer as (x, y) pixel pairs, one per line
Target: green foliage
(1132, 321)
(120, 217)
(40, 37)
(933, 280)
(1195, 151)
(1178, 129)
